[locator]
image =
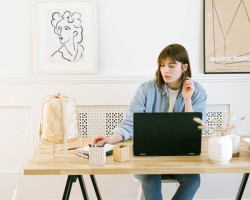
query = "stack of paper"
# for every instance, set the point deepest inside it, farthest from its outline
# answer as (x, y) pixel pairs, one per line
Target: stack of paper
(247, 141)
(85, 150)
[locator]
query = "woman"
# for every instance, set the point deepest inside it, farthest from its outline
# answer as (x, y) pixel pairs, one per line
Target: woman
(69, 30)
(173, 90)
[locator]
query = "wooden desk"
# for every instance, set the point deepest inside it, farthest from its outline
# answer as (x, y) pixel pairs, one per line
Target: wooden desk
(138, 165)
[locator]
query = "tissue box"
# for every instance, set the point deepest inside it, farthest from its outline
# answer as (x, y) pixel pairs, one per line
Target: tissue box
(97, 155)
(121, 153)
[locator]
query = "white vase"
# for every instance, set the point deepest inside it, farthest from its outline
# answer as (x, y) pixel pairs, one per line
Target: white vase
(220, 149)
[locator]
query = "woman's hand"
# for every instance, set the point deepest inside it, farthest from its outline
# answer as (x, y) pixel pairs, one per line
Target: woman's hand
(99, 139)
(116, 137)
(188, 89)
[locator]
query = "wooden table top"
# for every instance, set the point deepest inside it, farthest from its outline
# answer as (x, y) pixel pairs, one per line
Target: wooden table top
(136, 164)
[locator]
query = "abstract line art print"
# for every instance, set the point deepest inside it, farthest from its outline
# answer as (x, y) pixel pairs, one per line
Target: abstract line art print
(65, 37)
(68, 27)
(227, 36)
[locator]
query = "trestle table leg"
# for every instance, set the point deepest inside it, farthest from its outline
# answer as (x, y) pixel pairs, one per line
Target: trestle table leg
(97, 192)
(242, 186)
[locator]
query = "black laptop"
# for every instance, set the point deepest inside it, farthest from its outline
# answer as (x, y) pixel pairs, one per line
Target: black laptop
(166, 134)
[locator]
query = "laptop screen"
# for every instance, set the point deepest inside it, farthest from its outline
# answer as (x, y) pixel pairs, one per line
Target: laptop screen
(163, 134)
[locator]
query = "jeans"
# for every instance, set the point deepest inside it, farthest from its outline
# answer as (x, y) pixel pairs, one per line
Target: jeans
(151, 186)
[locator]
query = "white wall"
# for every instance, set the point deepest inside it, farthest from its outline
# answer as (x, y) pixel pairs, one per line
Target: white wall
(131, 34)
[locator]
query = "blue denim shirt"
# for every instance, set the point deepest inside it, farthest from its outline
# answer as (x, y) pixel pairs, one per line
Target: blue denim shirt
(149, 98)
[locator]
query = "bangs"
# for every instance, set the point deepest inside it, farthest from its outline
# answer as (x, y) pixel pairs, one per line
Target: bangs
(168, 54)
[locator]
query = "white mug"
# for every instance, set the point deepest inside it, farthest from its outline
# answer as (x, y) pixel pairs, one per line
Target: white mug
(236, 143)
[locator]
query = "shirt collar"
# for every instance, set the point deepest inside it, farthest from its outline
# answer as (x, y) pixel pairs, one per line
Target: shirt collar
(165, 90)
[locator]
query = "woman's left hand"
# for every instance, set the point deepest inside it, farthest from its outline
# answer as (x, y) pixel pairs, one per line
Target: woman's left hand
(188, 88)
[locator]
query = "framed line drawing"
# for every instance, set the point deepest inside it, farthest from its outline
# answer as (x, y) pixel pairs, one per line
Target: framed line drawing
(227, 36)
(64, 37)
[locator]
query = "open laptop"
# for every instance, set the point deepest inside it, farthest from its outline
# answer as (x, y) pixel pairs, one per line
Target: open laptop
(166, 134)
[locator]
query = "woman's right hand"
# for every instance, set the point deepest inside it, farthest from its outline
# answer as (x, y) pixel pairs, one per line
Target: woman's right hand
(116, 137)
(99, 139)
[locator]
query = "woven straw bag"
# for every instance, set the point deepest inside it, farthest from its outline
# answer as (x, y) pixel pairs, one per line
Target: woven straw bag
(59, 119)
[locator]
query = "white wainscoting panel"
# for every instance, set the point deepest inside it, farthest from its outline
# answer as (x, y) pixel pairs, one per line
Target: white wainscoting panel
(15, 137)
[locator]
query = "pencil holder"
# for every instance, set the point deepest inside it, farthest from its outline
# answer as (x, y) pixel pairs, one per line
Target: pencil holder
(121, 153)
(97, 155)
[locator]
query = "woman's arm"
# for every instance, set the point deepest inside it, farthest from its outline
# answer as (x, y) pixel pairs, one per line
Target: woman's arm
(188, 105)
(195, 101)
(187, 92)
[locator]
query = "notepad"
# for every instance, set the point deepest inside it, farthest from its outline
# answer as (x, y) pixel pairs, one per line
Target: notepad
(247, 141)
(85, 150)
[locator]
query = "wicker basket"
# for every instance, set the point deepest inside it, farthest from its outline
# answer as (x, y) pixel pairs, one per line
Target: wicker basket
(121, 153)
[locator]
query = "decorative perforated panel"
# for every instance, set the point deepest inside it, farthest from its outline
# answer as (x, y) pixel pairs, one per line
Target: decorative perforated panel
(216, 111)
(101, 119)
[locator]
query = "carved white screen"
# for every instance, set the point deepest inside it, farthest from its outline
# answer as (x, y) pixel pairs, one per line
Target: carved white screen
(216, 112)
(102, 119)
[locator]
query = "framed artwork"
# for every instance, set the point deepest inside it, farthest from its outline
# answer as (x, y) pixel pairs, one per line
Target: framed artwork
(227, 36)
(64, 37)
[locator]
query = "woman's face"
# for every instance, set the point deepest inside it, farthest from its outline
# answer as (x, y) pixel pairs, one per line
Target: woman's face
(65, 31)
(172, 73)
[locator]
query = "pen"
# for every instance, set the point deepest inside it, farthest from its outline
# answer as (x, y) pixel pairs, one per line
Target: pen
(103, 144)
(83, 155)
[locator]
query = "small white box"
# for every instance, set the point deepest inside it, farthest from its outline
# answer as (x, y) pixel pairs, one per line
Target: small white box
(97, 155)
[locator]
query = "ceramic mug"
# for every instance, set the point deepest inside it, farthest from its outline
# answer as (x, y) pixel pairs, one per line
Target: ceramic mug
(236, 144)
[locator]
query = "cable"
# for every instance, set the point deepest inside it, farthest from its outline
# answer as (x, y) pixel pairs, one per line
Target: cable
(14, 196)
(15, 193)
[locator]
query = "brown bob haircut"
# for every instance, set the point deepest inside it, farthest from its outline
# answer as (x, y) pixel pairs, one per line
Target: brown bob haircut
(175, 52)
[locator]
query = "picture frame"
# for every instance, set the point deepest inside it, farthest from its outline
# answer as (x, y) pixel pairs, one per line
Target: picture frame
(226, 37)
(64, 37)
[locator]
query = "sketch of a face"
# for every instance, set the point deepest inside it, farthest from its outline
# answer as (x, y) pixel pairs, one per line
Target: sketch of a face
(220, 151)
(66, 31)
(69, 29)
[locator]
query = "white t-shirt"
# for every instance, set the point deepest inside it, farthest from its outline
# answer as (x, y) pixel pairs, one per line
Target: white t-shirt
(172, 98)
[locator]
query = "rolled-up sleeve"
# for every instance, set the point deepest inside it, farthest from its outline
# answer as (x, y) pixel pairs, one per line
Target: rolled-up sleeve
(199, 101)
(137, 105)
